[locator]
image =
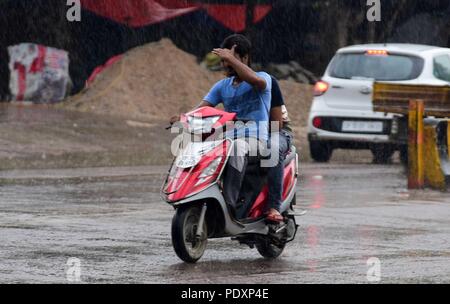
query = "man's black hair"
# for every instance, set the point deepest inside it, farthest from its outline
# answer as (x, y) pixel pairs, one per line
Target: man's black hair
(243, 45)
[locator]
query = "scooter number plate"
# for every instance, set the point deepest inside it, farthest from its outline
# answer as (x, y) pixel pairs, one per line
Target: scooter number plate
(187, 161)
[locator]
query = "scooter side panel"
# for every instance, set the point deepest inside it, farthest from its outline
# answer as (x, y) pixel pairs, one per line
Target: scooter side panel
(232, 228)
(289, 183)
(287, 202)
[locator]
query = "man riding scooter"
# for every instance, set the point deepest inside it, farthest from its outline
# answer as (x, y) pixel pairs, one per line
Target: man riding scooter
(208, 174)
(237, 94)
(246, 93)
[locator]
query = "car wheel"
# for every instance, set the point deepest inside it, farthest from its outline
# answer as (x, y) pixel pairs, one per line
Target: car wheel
(382, 154)
(320, 151)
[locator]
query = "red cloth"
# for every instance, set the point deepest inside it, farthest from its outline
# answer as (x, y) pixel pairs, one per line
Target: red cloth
(233, 16)
(138, 13)
(135, 13)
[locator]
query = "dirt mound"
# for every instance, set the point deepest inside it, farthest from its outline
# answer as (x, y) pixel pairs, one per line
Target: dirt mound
(151, 82)
(154, 81)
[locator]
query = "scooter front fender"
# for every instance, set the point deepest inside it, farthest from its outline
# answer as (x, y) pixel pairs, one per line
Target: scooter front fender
(232, 227)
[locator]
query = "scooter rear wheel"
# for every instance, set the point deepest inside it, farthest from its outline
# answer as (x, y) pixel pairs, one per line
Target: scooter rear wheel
(269, 250)
(187, 246)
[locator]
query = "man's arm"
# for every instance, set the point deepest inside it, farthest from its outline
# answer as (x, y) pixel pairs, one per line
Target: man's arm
(245, 72)
(277, 115)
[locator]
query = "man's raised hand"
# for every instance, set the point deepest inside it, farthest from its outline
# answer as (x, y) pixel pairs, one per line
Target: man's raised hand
(225, 54)
(174, 119)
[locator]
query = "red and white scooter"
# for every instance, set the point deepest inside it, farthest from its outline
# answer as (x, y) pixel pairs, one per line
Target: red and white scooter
(194, 188)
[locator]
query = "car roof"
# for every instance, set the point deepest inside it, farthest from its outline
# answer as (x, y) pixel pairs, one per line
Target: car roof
(393, 47)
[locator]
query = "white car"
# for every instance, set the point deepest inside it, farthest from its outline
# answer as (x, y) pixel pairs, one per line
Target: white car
(341, 115)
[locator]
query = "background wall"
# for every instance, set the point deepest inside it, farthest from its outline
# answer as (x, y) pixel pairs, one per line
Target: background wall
(308, 31)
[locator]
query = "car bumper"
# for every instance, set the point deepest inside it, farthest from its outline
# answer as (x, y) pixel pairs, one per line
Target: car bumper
(321, 135)
(331, 130)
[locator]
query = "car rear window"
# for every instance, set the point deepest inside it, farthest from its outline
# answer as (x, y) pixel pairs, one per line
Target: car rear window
(441, 67)
(379, 67)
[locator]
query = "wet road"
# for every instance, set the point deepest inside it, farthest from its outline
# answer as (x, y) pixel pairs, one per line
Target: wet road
(119, 229)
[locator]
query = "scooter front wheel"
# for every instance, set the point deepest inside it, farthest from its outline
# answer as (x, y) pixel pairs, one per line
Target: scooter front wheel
(187, 245)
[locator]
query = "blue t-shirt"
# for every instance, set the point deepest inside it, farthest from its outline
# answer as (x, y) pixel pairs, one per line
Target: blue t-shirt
(249, 103)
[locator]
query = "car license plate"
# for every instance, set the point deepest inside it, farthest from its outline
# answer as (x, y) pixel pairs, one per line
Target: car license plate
(362, 126)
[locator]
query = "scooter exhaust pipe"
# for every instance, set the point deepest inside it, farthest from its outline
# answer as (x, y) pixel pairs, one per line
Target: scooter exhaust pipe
(281, 228)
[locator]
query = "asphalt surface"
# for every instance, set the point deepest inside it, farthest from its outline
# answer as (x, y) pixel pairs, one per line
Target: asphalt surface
(113, 221)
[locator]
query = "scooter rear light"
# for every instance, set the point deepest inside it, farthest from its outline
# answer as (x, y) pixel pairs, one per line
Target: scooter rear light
(320, 88)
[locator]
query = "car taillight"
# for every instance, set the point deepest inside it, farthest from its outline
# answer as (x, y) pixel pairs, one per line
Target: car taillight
(317, 122)
(320, 88)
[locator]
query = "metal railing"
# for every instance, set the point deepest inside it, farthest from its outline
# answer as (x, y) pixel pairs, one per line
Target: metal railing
(427, 109)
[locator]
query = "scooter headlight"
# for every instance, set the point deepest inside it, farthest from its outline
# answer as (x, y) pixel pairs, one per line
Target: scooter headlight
(200, 125)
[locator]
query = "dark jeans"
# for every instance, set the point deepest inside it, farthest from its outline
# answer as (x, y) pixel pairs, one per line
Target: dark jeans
(235, 171)
(281, 141)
